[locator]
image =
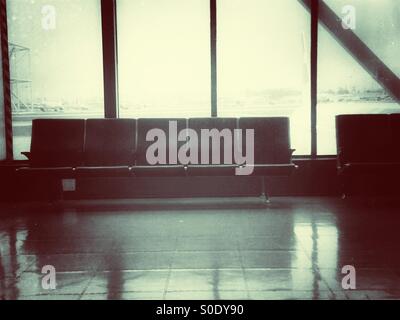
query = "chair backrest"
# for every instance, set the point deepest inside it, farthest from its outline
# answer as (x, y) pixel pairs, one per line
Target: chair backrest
(146, 125)
(223, 135)
(271, 139)
(363, 138)
(57, 143)
(110, 142)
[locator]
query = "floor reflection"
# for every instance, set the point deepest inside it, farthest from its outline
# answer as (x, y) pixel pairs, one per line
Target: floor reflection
(310, 236)
(294, 249)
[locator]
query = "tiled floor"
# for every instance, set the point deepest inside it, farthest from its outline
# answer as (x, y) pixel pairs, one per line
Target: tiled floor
(201, 249)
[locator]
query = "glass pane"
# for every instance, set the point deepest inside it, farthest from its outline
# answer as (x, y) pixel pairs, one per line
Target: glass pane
(264, 63)
(164, 58)
(56, 62)
(377, 23)
(344, 87)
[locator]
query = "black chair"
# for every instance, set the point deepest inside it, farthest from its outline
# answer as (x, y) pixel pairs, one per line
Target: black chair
(56, 149)
(363, 140)
(66, 149)
(366, 146)
(272, 152)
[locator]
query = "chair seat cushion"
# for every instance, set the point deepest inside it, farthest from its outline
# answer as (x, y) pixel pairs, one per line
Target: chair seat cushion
(159, 171)
(103, 172)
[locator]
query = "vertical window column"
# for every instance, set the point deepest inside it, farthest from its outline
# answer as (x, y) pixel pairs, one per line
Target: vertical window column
(2, 119)
(6, 148)
(110, 69)
(213, 38)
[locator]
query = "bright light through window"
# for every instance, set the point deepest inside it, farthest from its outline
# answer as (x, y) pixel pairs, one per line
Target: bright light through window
(55, 61)
(264, 63)
(344, 86)
(164, 58)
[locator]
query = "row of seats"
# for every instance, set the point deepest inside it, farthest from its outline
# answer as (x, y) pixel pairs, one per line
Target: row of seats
(368, 143)
(117, 147)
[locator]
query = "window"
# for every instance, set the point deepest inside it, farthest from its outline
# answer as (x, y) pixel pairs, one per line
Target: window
(344, 87)
(164, 63)
(164, 58)
(377, 23)
(56, 62)
(264, 63)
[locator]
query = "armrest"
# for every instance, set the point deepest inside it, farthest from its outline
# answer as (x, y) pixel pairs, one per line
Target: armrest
(27, 154)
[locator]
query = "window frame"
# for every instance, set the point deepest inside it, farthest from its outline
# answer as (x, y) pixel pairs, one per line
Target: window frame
(8, 128)
(110, 58)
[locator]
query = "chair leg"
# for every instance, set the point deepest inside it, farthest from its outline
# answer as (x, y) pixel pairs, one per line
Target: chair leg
(264, 195)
